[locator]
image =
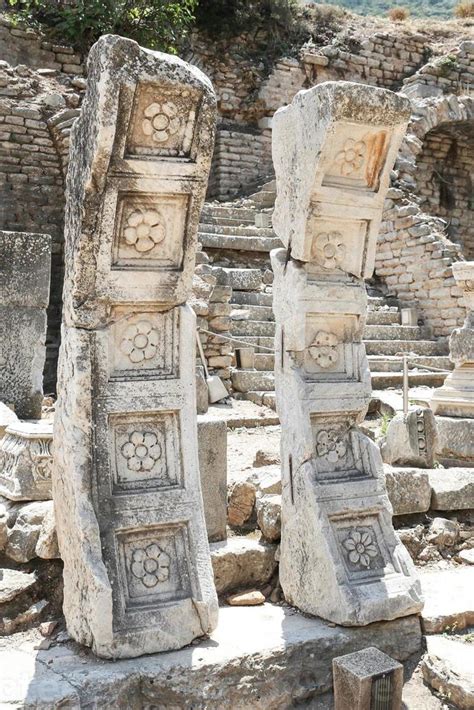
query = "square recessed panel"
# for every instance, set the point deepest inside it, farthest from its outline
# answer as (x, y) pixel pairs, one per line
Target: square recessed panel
(338, 453)
(149, 231)
(337, 243)
(355, 156)
(330, 354)
(144, 344)
(362, 548)
(153, 562)
(145, 452)
(162, 121)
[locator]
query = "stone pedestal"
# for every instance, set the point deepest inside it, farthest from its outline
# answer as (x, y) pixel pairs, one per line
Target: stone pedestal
(25, 265)
(456, 397)
(333, 149)
(130, 520)
(26, 461)
(367, 679)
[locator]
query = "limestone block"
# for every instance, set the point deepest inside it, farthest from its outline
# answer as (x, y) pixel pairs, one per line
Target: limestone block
(455, 440)
(129, 513)
(202, 393)
(47, 543)
(411, 440)
(333, 149)
(241, 502)
(447, 667)
(269, 516)
(26, 461)
(13, 583)
(7, 417)
(453, 489)
(409, 490)
(23, 537)
(242, 563)
(212, 449)
(335, 172)
(25, 262)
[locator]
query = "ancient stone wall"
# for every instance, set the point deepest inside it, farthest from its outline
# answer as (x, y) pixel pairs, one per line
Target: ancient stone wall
(450, 74)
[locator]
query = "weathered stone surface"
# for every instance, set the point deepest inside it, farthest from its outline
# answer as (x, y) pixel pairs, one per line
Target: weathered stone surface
(286, 657)
(266, 458)
(47, 544)
(443, 532)
(411, 439)
(447, 668)
(333, 149)
(25, 263)
(212, 448)
(129, 513)
(455, 440)
(26, 461)
(202, 393)
(242, 563)
(3, 525)
(241, 502)
(456, 397)
(452, 489)
(466, 556)
(269, 516)
(356, 674)
(449, 602)
(254, 598)
(23, 536)
(13, 582)
(409, 490)
(7, 417)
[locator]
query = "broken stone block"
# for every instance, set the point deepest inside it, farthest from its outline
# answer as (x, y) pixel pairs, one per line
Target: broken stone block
(47, 545)
(367, 679)
(7, 417)
(25, 265)
(455, 441)
(449, 602)
(240, 503)
(254, 598)
(447, 668)
(452, 489)
(26, 461)
(13, 583)
(333, 149)
(23, 537)
(242, 563)
(202, 393)
(129, 512)
(411, 439)
(212, 448)
(266, 458)
(409, 490)
(443, 532)
(269, 516)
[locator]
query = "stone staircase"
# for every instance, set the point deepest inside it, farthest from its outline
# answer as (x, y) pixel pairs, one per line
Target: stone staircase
(238, 237)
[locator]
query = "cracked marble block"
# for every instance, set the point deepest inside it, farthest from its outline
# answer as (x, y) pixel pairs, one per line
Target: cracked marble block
(129, 511)
(25, 267)
(456, 397)
(333, 149)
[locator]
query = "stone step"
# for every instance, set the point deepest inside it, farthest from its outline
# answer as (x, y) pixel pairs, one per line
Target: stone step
(383, 380)
(263, 198)
(245, 214)
(396, 332)
(262, 398)
(240, 279)
(381, 301)
(248, 380)
(251, 299)
(252, 327)
(394, 363)
(242, 563)
(391, 317)
(258, 657)
(234, 231)
(394, 347)
(449, 601)
(244, 243)
(255, 313)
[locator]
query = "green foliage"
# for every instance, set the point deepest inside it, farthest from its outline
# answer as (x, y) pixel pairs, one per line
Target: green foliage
(159, 24)
(233, 17)
(417, 8)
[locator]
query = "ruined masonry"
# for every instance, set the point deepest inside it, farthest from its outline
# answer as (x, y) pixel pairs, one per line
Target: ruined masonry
(25, 265)
(131, 530)
(333, 149)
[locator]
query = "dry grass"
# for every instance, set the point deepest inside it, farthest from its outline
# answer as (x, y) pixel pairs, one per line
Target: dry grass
(464, 10)
(398, 14)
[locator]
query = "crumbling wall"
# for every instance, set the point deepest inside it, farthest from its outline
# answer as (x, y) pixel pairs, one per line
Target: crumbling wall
(452, 73)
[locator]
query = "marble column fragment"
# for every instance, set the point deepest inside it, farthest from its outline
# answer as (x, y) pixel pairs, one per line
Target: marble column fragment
(456, 397)
(333, 149)
(131, 529)
(25, 267)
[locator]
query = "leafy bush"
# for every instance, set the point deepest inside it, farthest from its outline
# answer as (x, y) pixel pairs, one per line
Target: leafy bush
(398, 14)
(159, 24)
(233, 17)
(464, 9)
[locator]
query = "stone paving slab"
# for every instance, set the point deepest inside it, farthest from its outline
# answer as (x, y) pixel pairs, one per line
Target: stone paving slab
(258, 657)
(243, 413)
(449, 599)
(448, 667)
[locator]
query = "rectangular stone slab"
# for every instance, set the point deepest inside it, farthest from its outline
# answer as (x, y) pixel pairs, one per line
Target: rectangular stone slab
(129, 511)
